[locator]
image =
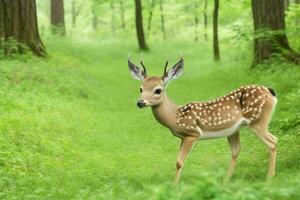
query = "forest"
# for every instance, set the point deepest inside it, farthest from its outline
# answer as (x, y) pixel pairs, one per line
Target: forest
(70, 127)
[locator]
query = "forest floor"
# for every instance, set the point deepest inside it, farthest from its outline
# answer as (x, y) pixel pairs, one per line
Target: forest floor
(70, 128)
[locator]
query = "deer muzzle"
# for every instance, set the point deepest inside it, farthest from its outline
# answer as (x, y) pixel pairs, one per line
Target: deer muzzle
(141, 103)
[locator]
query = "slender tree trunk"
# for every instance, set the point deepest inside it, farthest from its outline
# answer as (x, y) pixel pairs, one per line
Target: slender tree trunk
(95, 22)
(122, 13)
(19, 28)
(75, 12)
(269, 16)
(196, 22)
(58, 17)
(139, 25)
(286, 4)
(94, 19)
(205, 20)
(151, 7)
(112, 8)
(215, 31)
(162, 17)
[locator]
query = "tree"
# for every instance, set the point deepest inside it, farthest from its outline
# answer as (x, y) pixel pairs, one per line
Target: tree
(139, 25)
(269, 35)
(151, 4)
(122, 14)
(58, 17)
(196, 19)
(94, 18)
(112, 22)
(205, 19)
(19, 28)
(75, 12)
(95, 11)
(286, 4)
(215, 31)
(162, 18)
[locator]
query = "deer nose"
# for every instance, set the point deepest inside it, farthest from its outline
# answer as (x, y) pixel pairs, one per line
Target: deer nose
(141, 103)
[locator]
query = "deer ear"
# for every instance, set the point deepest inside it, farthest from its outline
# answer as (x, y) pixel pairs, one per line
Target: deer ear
(174, 73)
(136, 72)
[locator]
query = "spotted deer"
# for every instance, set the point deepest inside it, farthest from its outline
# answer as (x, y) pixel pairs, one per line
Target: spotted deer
(250, 106)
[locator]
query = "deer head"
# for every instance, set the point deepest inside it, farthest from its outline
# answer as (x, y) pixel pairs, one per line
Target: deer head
(153, 88)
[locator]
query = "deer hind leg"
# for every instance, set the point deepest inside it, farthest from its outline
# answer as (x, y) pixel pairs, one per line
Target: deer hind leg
(185, 148)
(234, 143)
(261, 131)
(260, 128)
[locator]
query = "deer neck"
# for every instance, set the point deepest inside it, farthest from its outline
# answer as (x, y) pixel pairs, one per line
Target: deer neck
(165, 113)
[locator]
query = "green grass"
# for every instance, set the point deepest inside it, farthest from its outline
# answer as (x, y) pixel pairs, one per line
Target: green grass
(70, 129)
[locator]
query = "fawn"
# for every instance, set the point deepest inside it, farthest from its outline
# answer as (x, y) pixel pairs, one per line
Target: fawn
(223, 117)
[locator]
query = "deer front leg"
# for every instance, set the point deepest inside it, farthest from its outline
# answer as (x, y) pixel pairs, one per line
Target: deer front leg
(234, 143)
(185, 148)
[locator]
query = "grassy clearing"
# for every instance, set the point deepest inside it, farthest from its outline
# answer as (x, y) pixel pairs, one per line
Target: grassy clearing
(70, 129)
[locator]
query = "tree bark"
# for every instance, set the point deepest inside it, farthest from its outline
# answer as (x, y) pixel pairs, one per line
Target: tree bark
(205, 20)
(286, 4)
(139, 25)
(162, 19)
(122, 13)
(58, 17)
(19, 28)
(269, 35)
(215, 31)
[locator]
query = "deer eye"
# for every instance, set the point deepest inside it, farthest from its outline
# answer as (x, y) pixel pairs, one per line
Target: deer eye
(157, 91)
(141, 90)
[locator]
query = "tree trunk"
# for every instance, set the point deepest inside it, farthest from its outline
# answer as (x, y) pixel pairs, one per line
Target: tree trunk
(75, 12)
(205, 19)
(215, 31)
(151, 7)
(196, 21)
(162, 17)
(94, 18)
(112, 9)
(269, 19)
(58, 17)
(139, 25)
(286, 4)
(122, 13)
(19, 28)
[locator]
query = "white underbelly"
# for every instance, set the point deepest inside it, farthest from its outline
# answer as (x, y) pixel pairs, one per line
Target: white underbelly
(224, 132)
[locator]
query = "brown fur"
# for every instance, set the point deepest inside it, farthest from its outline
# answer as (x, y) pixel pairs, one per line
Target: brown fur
(249, 105)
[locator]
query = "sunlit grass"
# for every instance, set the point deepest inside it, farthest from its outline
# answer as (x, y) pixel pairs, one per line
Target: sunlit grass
(70, 128)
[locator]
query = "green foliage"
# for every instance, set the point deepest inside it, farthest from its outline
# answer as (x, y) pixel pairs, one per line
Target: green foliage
(10, 46)
(179, 18)
(70, 129)
(208, 187)
(293, 25)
